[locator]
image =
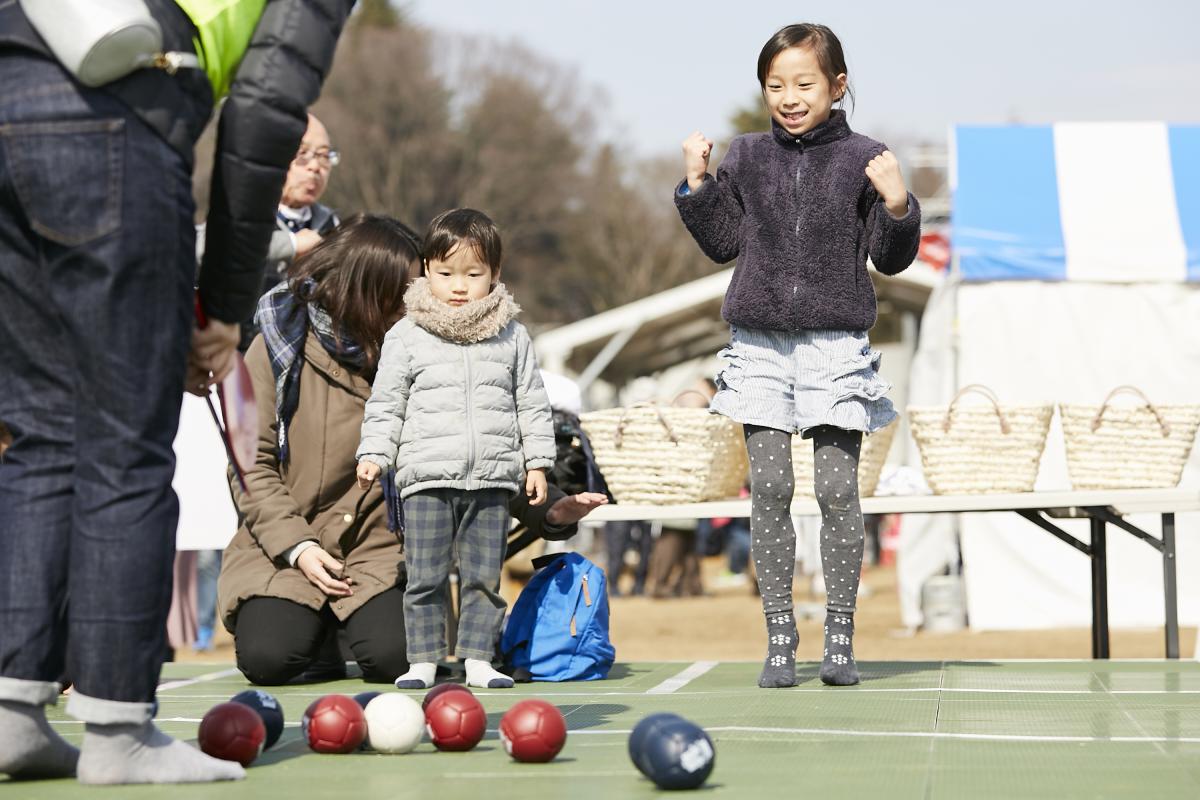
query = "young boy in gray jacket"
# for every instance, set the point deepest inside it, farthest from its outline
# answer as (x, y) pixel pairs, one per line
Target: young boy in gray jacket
(459, 408)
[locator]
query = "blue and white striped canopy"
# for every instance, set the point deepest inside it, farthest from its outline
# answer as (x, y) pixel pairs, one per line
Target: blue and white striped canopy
(1077, 201)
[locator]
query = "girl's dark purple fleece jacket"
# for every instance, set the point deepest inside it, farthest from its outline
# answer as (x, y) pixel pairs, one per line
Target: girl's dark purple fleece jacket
(800, 216)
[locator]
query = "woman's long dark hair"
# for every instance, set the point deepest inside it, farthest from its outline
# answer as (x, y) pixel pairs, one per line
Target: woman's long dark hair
(361, 271)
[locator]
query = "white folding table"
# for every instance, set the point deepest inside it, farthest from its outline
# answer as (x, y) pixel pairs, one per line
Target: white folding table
(1101, 507)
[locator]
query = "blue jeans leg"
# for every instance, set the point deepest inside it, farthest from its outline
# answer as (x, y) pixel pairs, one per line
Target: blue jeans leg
(96, 274)
(208, 569)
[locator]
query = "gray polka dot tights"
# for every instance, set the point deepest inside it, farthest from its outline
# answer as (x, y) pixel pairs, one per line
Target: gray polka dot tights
(773, 536)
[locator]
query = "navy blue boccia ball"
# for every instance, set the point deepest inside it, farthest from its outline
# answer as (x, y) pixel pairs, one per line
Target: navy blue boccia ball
(637, 739)
(268, 708)
(678, 755)
(362, 698)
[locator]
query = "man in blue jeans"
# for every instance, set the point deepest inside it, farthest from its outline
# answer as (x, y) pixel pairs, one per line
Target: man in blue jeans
(97, 342)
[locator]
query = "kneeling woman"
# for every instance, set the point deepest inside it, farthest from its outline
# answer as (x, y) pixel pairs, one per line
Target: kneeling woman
(315, 553)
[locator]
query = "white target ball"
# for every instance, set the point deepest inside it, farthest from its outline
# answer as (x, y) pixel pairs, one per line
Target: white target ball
(395, 723)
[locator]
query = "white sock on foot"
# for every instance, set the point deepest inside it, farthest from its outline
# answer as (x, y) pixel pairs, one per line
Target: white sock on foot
(481, 675)
(419, 676)
(141, 753)
(29, 747)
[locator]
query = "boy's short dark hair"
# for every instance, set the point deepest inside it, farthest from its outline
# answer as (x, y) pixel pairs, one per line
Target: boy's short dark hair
(463, 226)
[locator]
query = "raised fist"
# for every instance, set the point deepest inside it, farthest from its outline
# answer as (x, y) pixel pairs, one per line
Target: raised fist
(696, 150)
(884, 173)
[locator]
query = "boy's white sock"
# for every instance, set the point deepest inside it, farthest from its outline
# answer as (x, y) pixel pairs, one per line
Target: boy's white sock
(141, 753)
(481, 675)
(419, 676)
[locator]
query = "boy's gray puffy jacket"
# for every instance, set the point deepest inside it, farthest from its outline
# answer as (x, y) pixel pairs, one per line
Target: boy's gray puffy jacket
(467, 414)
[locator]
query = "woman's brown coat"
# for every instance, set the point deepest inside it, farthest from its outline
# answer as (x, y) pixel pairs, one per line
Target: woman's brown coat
(317, 496)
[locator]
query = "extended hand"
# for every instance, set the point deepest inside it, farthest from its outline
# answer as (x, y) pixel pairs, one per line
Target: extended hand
(306, 240)
(322, 570)
(572, 508)
(884, 173)
(696, 150)
(535, 486)
(367, 472)
(213, 355)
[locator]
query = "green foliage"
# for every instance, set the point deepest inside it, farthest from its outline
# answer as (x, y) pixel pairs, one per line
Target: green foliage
(377, 14)
(429, 122)
(752, 118)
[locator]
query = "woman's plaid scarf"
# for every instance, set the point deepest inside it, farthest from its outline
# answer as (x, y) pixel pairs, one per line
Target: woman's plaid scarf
(285, 320)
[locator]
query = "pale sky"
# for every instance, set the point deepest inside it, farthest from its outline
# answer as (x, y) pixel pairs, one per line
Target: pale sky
(917, 67)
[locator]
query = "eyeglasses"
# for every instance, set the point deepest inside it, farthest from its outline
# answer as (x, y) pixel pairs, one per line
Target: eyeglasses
(326, 158)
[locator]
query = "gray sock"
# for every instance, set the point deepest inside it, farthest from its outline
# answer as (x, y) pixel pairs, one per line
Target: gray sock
(773, 545)
(141, 753)
(838, 667)
(29, 747)
(779, 670)
(836, 454)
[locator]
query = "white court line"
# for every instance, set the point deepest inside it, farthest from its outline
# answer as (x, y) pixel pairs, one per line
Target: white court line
(612, 773)
(670, 685)
(756, 693)
(991, 737)
(208, 676)
(563, 696)
(986, 737)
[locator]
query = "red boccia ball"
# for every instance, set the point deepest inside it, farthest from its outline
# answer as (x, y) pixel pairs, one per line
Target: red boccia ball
(233, 732)
(533, 731)
(440, 690)
(455, 721)
(334, 724)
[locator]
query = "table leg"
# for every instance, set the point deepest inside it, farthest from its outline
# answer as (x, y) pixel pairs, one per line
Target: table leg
(1170, 589)
(1099, 590)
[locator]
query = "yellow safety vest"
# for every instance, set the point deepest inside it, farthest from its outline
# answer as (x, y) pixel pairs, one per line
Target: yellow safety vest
(224, 29)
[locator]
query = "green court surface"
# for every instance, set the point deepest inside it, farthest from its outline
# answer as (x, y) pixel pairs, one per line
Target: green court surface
(1035, 729)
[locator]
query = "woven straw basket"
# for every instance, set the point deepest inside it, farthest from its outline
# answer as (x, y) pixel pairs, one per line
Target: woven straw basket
(1128, 447)
(870, 463)
(980, 449)
(660, 455)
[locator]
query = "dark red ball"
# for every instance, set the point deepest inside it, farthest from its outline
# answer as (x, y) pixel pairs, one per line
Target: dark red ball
(334, 724)
(455, 721)
(233, 732)
(268, 708)
(441, 689)
(533, 731)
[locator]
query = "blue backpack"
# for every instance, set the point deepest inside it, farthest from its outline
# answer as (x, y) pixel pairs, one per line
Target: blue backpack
(558, 630)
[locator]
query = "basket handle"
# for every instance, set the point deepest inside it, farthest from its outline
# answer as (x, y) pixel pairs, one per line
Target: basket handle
(620, 437)
(1162, 423)
(696, 392)
(986, 392)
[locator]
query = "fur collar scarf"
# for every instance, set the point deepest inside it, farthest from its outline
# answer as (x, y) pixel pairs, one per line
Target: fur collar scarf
(470, 323)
